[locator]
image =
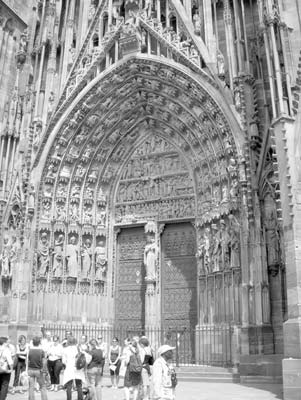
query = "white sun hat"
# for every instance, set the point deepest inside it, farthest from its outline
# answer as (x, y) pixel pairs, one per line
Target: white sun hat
(163, 349)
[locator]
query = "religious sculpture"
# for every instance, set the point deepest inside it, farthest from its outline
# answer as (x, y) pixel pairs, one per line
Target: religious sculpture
(72, 257)
(43, 255)
(100, 260)
(57, 269)
(203, 253)
(272, 238)
(86, 259)
(220, 64)
(234, 241)
(197, 22)
(150, 258)
(5, 259)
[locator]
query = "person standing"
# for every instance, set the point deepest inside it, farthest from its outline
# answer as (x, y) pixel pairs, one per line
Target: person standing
(6, 365)
(84, 345)
(164, 377)
(147, 361)
(71, 372)
(133, 372)
(114, 362)
(20, 361)
(54, 362)
(95, 370)
(36, 363)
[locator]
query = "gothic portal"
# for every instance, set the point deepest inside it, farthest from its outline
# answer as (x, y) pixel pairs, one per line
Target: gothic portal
(149, 173)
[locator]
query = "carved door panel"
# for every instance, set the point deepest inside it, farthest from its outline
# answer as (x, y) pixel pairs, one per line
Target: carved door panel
(179, 287)
(130, 293)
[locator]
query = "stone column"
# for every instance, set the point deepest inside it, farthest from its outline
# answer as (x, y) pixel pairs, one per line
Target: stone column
(287, 140)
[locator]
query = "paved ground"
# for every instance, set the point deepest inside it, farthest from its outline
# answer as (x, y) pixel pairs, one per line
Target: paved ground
(187, 391)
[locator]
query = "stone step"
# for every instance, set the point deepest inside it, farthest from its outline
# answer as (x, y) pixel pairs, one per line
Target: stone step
(206, 374)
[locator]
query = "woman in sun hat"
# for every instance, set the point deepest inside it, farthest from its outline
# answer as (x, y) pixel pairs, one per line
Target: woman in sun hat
(164, 376)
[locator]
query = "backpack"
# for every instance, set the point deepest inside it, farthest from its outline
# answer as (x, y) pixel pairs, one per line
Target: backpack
(135, 364)
(80, 360)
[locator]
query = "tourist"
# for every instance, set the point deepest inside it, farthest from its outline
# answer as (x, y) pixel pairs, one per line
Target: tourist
(114, 362)
(132, 377)
(46, 342)
(36, 363)
(20, 361)
(71, 373)
(83, 345)
(147, 361)
(102, 345)
(164, 377)
(6, 365)
(65, 340)
(95, 370)
(54, 362)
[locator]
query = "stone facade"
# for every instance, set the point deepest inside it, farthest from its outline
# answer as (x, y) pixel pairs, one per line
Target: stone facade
(150, 154)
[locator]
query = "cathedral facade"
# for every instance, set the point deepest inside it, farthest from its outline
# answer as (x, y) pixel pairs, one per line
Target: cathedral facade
(150, 170)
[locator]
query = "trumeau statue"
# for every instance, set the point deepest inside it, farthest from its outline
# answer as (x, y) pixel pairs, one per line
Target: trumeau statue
(150, 258)
(72, 256)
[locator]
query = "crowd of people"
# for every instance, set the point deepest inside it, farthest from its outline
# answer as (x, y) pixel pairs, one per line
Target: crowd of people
(48, 364)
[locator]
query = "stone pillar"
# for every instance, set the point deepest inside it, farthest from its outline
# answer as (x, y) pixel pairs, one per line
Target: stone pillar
(286, 134)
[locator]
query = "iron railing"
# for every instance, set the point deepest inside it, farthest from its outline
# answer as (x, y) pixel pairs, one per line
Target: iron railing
(204, 345)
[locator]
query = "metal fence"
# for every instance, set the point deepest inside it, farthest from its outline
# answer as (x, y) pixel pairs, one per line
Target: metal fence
(204, 345)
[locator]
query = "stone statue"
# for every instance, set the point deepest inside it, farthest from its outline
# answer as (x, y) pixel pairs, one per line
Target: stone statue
(197, 22)
(13, 254)
(43, 255)
(100, 260)
(5, 259)
(148, 8)
(150, 258)
(272, 238)
(72, 256)
(31, 198)
(220, 64)
(225, 244)
(203, 252)
(58, 257)
(216, 248)
(234, 241)
(86, 259)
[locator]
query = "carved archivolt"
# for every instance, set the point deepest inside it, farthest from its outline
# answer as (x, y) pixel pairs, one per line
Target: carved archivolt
(147, 141)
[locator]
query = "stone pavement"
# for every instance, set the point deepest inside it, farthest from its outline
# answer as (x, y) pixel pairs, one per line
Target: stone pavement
(187, 391)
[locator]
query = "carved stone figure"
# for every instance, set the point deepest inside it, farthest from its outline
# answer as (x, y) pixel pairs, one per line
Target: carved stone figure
(225, 244)
(57, 269)
(5, 259)
(234, 242)
(150, 258)
(220, 64)
(100, 260)
(43, 255)
(31, 198)
(272, 238)
(86, 259)
(216, 248)
(72, 256)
